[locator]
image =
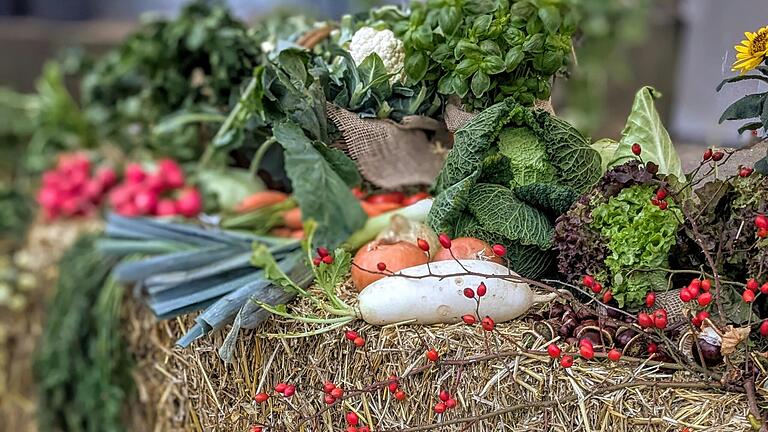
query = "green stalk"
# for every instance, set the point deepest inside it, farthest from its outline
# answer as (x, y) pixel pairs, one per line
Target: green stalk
(260, 153)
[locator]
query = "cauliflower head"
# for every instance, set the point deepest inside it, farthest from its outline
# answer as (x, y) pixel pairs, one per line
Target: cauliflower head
(368, 40)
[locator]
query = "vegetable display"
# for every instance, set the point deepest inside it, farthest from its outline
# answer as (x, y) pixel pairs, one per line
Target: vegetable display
(510, 173)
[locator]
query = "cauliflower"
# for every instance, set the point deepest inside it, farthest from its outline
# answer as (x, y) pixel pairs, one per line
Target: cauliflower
(368, 40)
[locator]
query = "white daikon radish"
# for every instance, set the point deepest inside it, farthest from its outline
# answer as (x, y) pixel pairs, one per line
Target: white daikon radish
(439, 298)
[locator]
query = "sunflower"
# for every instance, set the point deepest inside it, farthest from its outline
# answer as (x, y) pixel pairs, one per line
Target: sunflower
(752, 51)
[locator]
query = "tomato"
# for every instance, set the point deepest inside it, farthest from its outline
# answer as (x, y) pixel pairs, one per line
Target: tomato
(415, 198)
(389, 197)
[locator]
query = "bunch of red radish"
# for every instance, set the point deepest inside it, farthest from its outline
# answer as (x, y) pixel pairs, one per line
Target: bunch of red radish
(163, 192)
(72, 189)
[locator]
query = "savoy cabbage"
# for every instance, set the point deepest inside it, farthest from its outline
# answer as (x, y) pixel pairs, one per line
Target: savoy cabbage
(510, 172)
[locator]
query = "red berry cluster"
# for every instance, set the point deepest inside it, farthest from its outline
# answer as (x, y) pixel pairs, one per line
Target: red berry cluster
(71, 189)
(597, 288)
(446, 402)
(332, 393)
(761, 222)
(715, 156)
(656, 319)
(487, 323)
(394, 387)
(355, 338)
(752, 289)
(286, 390)
(323, 257)
(698, 289)
(659, 200)
(586, 350)
(145, 193)
(353, 420)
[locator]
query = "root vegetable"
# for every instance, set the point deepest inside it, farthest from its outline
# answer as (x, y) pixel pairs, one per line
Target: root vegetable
(437, 296)
(395, 257)
(292, 219)
(403, 229)
(468, 248)
(260, 200)
(375, 209)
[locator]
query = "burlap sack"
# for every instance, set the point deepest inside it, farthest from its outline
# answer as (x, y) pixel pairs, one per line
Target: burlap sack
(390, 154)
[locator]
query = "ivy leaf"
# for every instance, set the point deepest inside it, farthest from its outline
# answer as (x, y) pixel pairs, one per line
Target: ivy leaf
(550, 16)
(481, 82)
(320, 192)
(750, 106)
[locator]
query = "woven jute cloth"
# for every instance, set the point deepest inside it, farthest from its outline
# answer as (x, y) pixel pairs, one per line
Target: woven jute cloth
(391, 154)
(455, 117)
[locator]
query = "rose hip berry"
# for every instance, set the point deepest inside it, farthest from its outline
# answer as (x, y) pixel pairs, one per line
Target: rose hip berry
(281, 387)
(261, 397)
(566, 361)
(444, 395)
(644, 320)
(652, 348)
(450, 403)
(400, 395)
(328, 399)
(650, 299)
(289, 391)
(764, 328)
(752, 285)
(588, 281)
(608, 296)
(761, 221)
(445, 241)
(636, 149)
(432, 355)
(499, 250)
(351, 335)
(328, 259)
(337, 393)
(597, 288)
(423, 245)
(323, 252)
(705, 298)
(469, 319)
(706, 285)
(392, 386)
(352, 419)
(440, 408)
(748, 296)
(707, 155)
(587, 352)
(487, 323)
(717, 156)
(381, 266)
(469, 293)
(481, 289)
(686, 295)
(553, 351)
(359, 342)
(614, 355)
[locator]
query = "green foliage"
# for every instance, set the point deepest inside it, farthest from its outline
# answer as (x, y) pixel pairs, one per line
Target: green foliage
(483, 51)
(644, 127)
(82, 367)
(639, 236)
(510, 173)
(752, 106)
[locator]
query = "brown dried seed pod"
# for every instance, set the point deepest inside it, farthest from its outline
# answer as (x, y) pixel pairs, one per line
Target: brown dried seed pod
(557, 310)
(585, 314)
(567, 327)
(593, 333)
(636, 347)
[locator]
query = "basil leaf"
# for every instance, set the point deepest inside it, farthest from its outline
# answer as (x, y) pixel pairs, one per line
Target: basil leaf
(534, 43)
(445, 85)
(514, 36)
(481, 25)
(513, 58)
(550, 16)
(548, 62)
(477, 7)
(422, 38)
(449, 20)
(466, 48)
(442, 53)
(467, 67)
(481, 82)
(416, 65)
(493, 65)
(490, 47)
(460, 86)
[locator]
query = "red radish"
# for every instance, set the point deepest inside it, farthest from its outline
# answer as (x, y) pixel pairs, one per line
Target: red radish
(145, 201)
(155, 182)
(359, 342)
(553, 351)
(566, 361)
(444, 395)
(762, 232)
(337, 393)
(323, 251)
(432, 355)
(166, 207)
(415, 198)
(705, 298)
(395, 257)
(487, 323)
(190, 203)
(173, 176)
(107, 177)
(650, 299)
(482, 289)
(134, 173)
(588, 281)
(469, 293)
(440, 408)
(614, 355)
(764, 328)
(390, 197)
(128, 210)
(467, 248)
(655, 201)
(352, 419)
(400, 395)
(748, 296)
(444, 240)
(469, 319)
(261, 397)
(644, 320)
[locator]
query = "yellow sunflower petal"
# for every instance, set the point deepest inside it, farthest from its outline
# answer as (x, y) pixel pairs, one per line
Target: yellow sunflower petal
(750, 36)
(741, 49)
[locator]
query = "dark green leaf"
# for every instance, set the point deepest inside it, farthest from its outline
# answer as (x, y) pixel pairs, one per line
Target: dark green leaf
(490, 48)
(466, 48)
(493, 65)
(481, 82)
(422, 38)
(750, 106)
(467, 67)
(460, 86)
(481, 25)
(550, 16)
(534, 43)
(513, 58)
(750, 126)
(341, 164)
(416, 65)
(449, 19)
(477, 7)
(740, 78)
(450, 204)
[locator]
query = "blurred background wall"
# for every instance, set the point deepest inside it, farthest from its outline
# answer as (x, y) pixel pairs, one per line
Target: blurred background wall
(681, 47)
